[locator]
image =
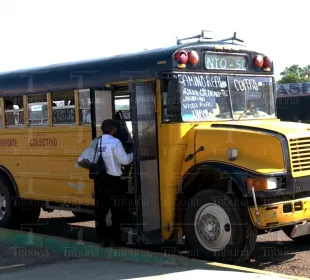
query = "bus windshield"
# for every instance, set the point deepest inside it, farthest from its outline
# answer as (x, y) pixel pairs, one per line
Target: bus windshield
(218, 97)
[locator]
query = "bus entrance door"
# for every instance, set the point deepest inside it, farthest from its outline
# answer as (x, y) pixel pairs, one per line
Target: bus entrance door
(122, 119)
(146, 183)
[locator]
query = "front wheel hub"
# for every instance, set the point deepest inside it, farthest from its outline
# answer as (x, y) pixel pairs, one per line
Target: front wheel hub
(212, 227)
(2, 204)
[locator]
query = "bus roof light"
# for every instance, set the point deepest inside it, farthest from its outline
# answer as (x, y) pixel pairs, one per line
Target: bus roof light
(267, 63)
(181, 57)
(258, 61)
(193, 57)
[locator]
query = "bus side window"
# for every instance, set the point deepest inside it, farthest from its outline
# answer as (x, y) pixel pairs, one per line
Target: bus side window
(1, 120)
(14, 111)
(63, 107)
(84, 104)
(37, 110)
(168, 101)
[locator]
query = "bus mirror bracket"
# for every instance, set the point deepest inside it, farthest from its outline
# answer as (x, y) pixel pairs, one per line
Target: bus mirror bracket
(191, 156)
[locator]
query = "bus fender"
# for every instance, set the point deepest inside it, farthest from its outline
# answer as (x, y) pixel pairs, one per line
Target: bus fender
(225, 173)
(9, 176)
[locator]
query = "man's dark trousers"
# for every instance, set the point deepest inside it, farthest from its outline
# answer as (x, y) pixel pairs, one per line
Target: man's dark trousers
(109, 195)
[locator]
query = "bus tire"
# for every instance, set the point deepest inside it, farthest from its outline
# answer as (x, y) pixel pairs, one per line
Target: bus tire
(9, 213)
(80, 216)
(218, 227)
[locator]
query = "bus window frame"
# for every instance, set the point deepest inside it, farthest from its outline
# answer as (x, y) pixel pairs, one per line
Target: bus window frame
(24, 125)
(163, 79)
(163, 121)
(48, 111)
(76, 121)
(274, 94)
(122, 92)
(2, 113)
(77, 103)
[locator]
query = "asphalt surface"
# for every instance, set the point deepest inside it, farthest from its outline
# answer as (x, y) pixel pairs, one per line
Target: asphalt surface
(274, 251)
(14, 258)
(29, 264)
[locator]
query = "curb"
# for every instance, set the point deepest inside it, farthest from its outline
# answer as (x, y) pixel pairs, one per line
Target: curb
(81, 249)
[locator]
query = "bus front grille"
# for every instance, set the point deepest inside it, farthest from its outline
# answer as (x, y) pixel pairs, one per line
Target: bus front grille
(300, 156)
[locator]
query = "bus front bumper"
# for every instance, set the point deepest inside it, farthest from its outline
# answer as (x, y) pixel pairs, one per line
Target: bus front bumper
(280, 214)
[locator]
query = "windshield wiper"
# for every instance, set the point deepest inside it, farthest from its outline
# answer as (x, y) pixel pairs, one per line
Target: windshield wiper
(247, 109)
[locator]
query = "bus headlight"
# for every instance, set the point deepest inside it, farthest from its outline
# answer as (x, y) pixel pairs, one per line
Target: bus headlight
(262, 184)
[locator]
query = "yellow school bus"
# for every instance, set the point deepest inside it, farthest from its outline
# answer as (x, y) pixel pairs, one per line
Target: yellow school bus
(212, 161)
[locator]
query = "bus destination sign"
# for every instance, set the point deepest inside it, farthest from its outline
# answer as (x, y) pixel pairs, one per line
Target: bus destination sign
(223, 61)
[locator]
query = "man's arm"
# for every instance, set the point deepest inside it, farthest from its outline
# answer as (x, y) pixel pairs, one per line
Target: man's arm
(121, 155)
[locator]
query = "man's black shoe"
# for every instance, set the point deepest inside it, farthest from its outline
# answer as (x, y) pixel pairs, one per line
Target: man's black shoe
(117, 243)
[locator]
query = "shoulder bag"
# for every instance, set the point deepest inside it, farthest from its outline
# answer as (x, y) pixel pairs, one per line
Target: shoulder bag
(97, 169)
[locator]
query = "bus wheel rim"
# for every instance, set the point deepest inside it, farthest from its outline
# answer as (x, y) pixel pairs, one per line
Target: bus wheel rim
(2, 204)
(212, 227)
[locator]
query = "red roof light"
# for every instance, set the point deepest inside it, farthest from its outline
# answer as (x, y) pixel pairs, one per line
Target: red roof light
(267, 62)
(258, 61)
(193, 57)
(181, 57)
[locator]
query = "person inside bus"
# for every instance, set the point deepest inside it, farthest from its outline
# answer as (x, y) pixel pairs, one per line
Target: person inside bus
(10, 116)
(8, 105)
(122, 132)
(109, 193)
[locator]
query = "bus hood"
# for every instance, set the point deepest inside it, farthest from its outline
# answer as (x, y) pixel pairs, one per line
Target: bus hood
(257, 150)
(289, 129)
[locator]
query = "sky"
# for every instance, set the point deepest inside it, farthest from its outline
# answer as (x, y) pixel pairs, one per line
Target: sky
(36, 33)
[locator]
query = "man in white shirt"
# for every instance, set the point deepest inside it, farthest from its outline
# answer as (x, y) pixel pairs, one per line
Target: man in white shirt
(108, 190)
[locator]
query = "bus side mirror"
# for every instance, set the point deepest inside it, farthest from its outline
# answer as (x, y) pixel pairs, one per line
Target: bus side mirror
(174, 95)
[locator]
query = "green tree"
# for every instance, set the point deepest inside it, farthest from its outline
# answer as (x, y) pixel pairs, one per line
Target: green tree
(306, 72)
(295, 74)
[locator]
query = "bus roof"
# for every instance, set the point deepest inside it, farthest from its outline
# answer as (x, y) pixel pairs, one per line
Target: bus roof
(96, 72)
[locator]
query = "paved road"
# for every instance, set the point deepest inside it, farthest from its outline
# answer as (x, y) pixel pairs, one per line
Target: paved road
(16, 258)
(17, 263)
(274, 252)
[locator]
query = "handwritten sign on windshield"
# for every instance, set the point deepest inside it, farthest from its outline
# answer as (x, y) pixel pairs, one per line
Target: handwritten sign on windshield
(245, 84)
(201, 92)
